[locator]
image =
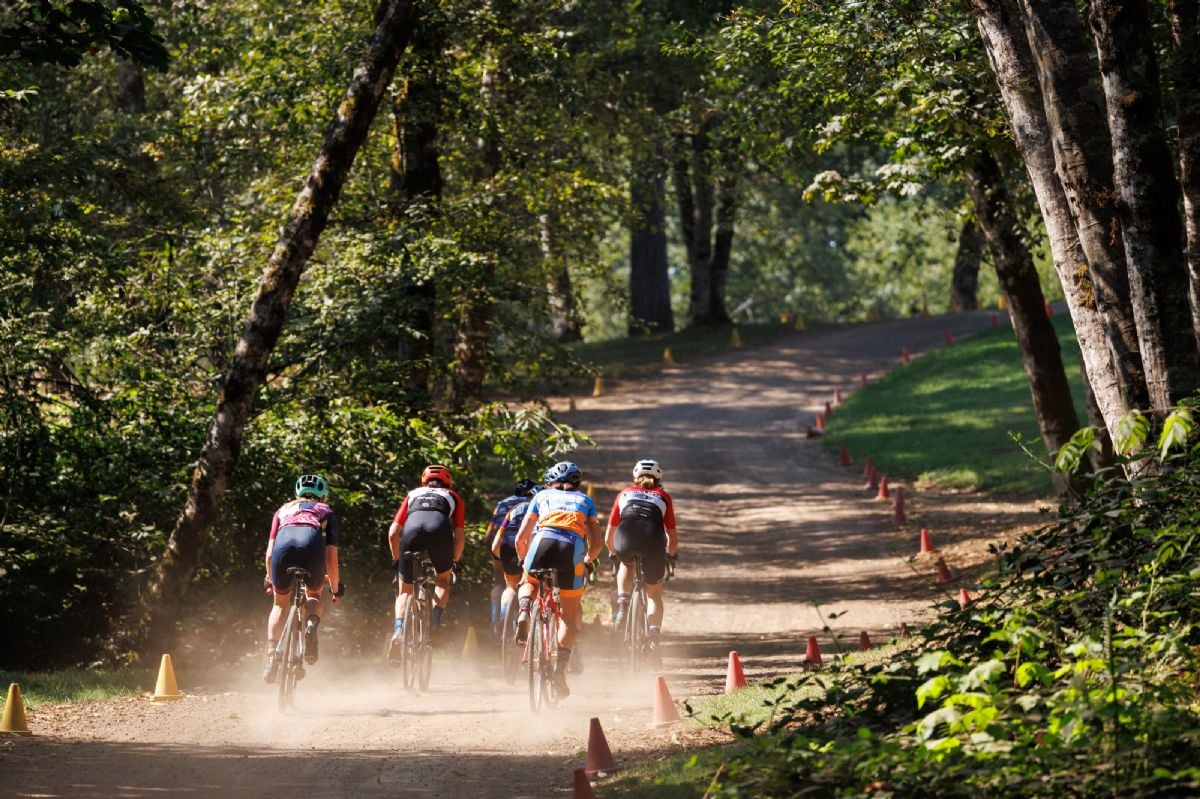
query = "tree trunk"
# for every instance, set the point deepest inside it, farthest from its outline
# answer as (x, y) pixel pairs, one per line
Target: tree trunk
(1148, 206)
(649, 276)
(1008, 50)
(558, 286)
(699, 310)
(265, 321)
(131, 87)
(1040, 352)
(1074, 111)
(1103, 456)
(1185, 36)
(682, 174)
(964, 285)
(722, 249)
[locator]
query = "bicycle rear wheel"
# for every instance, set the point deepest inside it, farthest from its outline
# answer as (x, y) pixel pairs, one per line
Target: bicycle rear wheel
(551, 662)
(425, 647)
(288, 661)
(410, 634)
(536, 644)
(635, 637)
(510, 653)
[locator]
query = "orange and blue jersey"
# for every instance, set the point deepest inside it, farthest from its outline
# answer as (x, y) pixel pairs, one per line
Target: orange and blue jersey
(563, 510)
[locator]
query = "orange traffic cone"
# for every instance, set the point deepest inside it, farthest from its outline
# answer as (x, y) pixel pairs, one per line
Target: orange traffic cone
(872, 477)
(667, 359)
(867, 469)
(883, 489)
(599, 756)
(813, 653)
(583, 788)
(943, 573)
(845, 456)
(904, 356)
(927, 546)
(665, 713)
(864, 641)
(819, 424)
(904, 631)
(165, 690)
(899, 506)
(828, 409)
(735, 678)
(571, 404)
(470, 644)
(837, 396)
(14, 722)
(964, 597)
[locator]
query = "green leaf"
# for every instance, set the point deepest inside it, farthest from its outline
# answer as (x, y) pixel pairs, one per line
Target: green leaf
(1176, 429)
(1131, 432)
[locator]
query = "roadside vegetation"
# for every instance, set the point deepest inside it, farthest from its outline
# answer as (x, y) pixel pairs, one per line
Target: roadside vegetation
(959, 418)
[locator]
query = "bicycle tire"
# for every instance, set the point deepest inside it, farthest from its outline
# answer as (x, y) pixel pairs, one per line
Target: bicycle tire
(409, 634)
(535, 664)
(287, 677)
(551, 662)
(510, 653)
(637, 632)
(425, 647)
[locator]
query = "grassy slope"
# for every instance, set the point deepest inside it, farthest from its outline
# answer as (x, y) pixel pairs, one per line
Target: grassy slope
(947, 417)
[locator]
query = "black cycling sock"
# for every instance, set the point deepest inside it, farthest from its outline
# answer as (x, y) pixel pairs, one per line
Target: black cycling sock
(564, 657)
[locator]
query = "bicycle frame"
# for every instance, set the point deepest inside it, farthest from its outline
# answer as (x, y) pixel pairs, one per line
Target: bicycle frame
(637, 619)
(541, 644)
(416, 648)
(291, 647)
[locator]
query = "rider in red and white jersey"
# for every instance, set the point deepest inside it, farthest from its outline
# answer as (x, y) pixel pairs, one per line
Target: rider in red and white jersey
(642, 522)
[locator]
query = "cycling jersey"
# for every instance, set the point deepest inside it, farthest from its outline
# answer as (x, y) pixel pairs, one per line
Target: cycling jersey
(430, 499)
(641, 517)
(563, 510)
(307, 513)
(428, 518)
(503, 506)
(643, 506)
(511, 524)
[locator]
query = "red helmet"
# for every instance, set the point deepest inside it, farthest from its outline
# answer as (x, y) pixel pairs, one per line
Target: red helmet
(435, 472)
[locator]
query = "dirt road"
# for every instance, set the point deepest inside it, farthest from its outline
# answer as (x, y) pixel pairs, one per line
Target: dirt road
(769, 523)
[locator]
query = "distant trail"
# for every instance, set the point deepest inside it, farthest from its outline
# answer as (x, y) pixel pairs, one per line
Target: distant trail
(769, 523)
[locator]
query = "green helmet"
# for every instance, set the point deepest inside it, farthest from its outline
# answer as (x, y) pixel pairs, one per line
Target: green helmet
(312, 485)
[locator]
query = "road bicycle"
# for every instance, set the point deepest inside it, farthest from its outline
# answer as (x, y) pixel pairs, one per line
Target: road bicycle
(292, 646)
(510, 650)
(416, 644)
(541, 644)
(636, 634)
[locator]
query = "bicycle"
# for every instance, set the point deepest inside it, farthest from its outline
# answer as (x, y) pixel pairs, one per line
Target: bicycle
(541, 643)
(510, 650)
(636, 634)
(291, 649)
(416, 641)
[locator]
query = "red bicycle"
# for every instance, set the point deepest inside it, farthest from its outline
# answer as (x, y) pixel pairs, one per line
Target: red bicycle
(541, 644)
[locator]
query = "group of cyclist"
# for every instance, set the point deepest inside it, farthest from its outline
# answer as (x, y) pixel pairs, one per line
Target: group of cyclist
(553, 525)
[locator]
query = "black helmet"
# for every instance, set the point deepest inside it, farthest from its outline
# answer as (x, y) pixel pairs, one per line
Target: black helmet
(523, 488)
(563, 472)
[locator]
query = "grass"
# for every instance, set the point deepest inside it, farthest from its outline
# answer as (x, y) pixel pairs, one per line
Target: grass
(79, 685)
(949, 417)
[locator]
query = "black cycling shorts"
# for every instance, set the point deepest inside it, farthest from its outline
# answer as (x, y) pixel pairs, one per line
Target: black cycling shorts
(427, 531)
(630, 539)
(298, 546)
(508, 557)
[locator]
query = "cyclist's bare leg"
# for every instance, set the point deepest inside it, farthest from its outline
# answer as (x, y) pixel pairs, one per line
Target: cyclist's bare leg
(654, 604)
(621, 601)
(441, 592)
(402, 598)
(572, 619)
(624, 579)
(275, 620)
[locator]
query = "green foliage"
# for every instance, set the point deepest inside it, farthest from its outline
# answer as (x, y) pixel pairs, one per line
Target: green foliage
(62, 33)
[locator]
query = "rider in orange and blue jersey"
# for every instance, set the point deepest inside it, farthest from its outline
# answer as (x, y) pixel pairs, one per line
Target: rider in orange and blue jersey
(561, 531)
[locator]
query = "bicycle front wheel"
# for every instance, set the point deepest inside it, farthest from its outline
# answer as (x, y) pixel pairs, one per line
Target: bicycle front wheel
(537, 643)
(425, 647)
(289, 660)
(551, 662)
(510, 653)
(635, 637)
(410, 634)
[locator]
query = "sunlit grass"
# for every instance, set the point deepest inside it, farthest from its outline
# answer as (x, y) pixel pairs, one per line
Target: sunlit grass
(949, 417)
(78, 685)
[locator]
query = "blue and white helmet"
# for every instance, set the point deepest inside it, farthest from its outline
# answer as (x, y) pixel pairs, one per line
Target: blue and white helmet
(564, 472)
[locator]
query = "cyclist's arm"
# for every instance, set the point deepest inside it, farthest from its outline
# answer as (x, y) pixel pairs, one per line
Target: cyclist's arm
(460, 526)
(394, 540)
(460, 542)
(499, 534)
(270, 549)
(525, 533)
(331, 565)
(610, 533)
(594, 539)
(672, 541)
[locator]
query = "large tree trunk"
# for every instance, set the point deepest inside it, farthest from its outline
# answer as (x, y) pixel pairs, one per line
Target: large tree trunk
(722, 248)
(1144, 176)
(964, 283)
(1008, 50)
(702, 225)
(299, 238)
(1038, 341)
(649, 276)
(416, 179)
(1185, 36)
(131, 87)
(558, 285)
(1074, 111)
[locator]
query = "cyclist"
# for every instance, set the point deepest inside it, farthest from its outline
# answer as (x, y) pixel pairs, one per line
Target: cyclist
(560, 531)
(521, 493)
(504, 547)
(642, 522)
(431, 519)
(304, 533)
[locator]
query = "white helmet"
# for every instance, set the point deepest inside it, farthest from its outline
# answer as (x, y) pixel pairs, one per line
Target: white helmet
(649, 467)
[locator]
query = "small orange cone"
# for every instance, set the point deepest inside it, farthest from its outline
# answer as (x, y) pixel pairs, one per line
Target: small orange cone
(949, 338)
(964, 597)
(665, 713)
(828, 409)
(14, 722)
(904, 632)
(735, 338)
(883, 490)
(864, 641)
(667, 359)
(872, 477)
(845, 456)
(598, 387)
(904, 356)
(819, 424)
(583, 788)
(165, 690)
(735, 678)
(571, 404)
(867, 469)
(837, 396)
(599, 756)
(927, 546)
(901, 518)
(470, 644)
(943, 573)
(813, 653)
